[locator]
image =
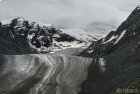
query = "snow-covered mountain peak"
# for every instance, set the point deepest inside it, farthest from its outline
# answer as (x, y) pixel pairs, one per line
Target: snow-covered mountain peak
(7, 21)
(19, 20)
(38, 37)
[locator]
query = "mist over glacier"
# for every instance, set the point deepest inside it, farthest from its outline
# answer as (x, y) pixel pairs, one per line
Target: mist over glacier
(69, 13)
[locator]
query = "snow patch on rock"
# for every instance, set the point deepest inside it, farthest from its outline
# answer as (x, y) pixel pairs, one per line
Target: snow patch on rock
(113, 37)
(120, 37)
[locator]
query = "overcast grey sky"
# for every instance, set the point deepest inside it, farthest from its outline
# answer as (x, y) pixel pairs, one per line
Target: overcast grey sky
(68, 13)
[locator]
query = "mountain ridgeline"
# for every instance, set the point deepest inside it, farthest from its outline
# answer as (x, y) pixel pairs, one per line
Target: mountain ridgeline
(116, 63)
(19, 36)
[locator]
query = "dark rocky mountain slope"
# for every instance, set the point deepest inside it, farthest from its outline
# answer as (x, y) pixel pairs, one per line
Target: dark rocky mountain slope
(116, 63)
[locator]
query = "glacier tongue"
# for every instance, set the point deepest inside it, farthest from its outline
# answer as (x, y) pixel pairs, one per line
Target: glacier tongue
(42, 74)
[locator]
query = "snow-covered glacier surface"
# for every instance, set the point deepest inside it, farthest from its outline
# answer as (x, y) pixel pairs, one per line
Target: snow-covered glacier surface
(42, 74)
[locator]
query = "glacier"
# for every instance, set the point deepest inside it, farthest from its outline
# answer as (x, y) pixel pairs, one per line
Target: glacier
(42, 74)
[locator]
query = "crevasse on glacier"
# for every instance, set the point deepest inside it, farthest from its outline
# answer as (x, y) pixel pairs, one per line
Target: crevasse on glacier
(42, 74)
